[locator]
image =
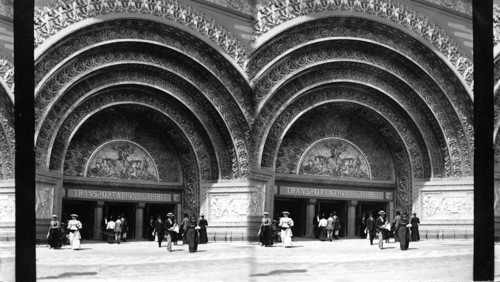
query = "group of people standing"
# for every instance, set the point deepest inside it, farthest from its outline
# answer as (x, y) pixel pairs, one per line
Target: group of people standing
(116, 230)
(57, 232)
(191, 230)
(401, 226)
(269, 229)
(326, 229)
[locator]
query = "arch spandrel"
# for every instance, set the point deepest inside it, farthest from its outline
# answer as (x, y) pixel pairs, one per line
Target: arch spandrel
(60, 18)
(273, 18)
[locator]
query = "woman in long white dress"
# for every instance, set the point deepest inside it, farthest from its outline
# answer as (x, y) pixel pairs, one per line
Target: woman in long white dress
(286, 225)
(74, 226)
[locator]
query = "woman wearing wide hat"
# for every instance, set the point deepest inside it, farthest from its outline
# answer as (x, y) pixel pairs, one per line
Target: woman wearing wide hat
(404, 231)
(265, 233)
(54, 234)
(74, 226)
(286, 224)
(191, 234)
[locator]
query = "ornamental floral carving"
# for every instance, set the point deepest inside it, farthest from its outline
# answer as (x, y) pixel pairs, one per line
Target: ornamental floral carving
(356, 29)
(429, 92)
(178, 73)
(401, 94)
(418, 154)
(7, 73)
(174, 39)
(273, 14)
(58, 15)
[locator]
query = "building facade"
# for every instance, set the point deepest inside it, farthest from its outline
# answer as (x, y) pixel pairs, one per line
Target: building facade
(233, 108)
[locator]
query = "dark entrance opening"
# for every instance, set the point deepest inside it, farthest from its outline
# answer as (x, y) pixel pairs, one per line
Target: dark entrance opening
(366, 208)
(297, 210)
(327, 207)
(152, 210)
(116, 209)
(85, 212)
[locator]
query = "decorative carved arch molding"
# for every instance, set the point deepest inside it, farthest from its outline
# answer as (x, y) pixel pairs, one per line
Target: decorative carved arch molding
(455, 123)
(354, 75)
(302, 124)
(56, 20)
(274, 17)
(140, 124)
(158, 65)
(164, 38)
(179, 118)
(7, 135)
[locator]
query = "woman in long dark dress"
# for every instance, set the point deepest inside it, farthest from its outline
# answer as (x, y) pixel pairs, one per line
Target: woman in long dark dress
(54, 234)
(265, 232)
(404, 232)
(415, 221)
(203, 230)
(192, 234)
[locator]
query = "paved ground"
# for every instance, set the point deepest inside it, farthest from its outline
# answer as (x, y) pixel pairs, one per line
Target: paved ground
(342, 260)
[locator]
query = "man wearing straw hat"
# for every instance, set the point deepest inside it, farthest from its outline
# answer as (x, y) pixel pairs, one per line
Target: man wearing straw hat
(379, 226)
(169, 227)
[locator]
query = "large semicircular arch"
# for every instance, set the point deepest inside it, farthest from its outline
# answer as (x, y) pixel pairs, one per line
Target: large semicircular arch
(59, 19)
(270, 23)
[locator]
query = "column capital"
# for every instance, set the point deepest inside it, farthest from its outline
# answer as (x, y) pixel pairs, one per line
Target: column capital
(312, 202)
(100, 204)
(352, 203)
(141, 205)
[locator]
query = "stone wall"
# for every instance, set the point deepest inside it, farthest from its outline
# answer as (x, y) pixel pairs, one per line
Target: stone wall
(7, 210)
(48, 195)
(445, 205)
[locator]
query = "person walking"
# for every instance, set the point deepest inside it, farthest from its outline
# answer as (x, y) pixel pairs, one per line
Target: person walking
(265, 232)
(362, 227)
(176, 232)
(151, 229)
(329, 227)
(125, 228)
(203, 223)
(54, 234)
(379, 227)
(110, 229)
(104, 223)
(336, 225)
(74, 227)
(415, 222)
(191, 234)
(316, 220)
(404, 232)
(322, 228)
(286, 224)
(118, 229)
(396, 224)
(169, 229)
(185, 223)
(370, 228)
(159, 230)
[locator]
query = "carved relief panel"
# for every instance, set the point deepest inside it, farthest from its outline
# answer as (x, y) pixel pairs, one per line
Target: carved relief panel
(44, 201)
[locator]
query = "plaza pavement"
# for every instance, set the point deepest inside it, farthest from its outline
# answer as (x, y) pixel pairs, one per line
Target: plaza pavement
(308, 260)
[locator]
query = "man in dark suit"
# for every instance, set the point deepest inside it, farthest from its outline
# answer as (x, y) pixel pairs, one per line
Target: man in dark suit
(379, 227)
(169, 229)
(159, 229)
(370, 227)
(396, 223)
